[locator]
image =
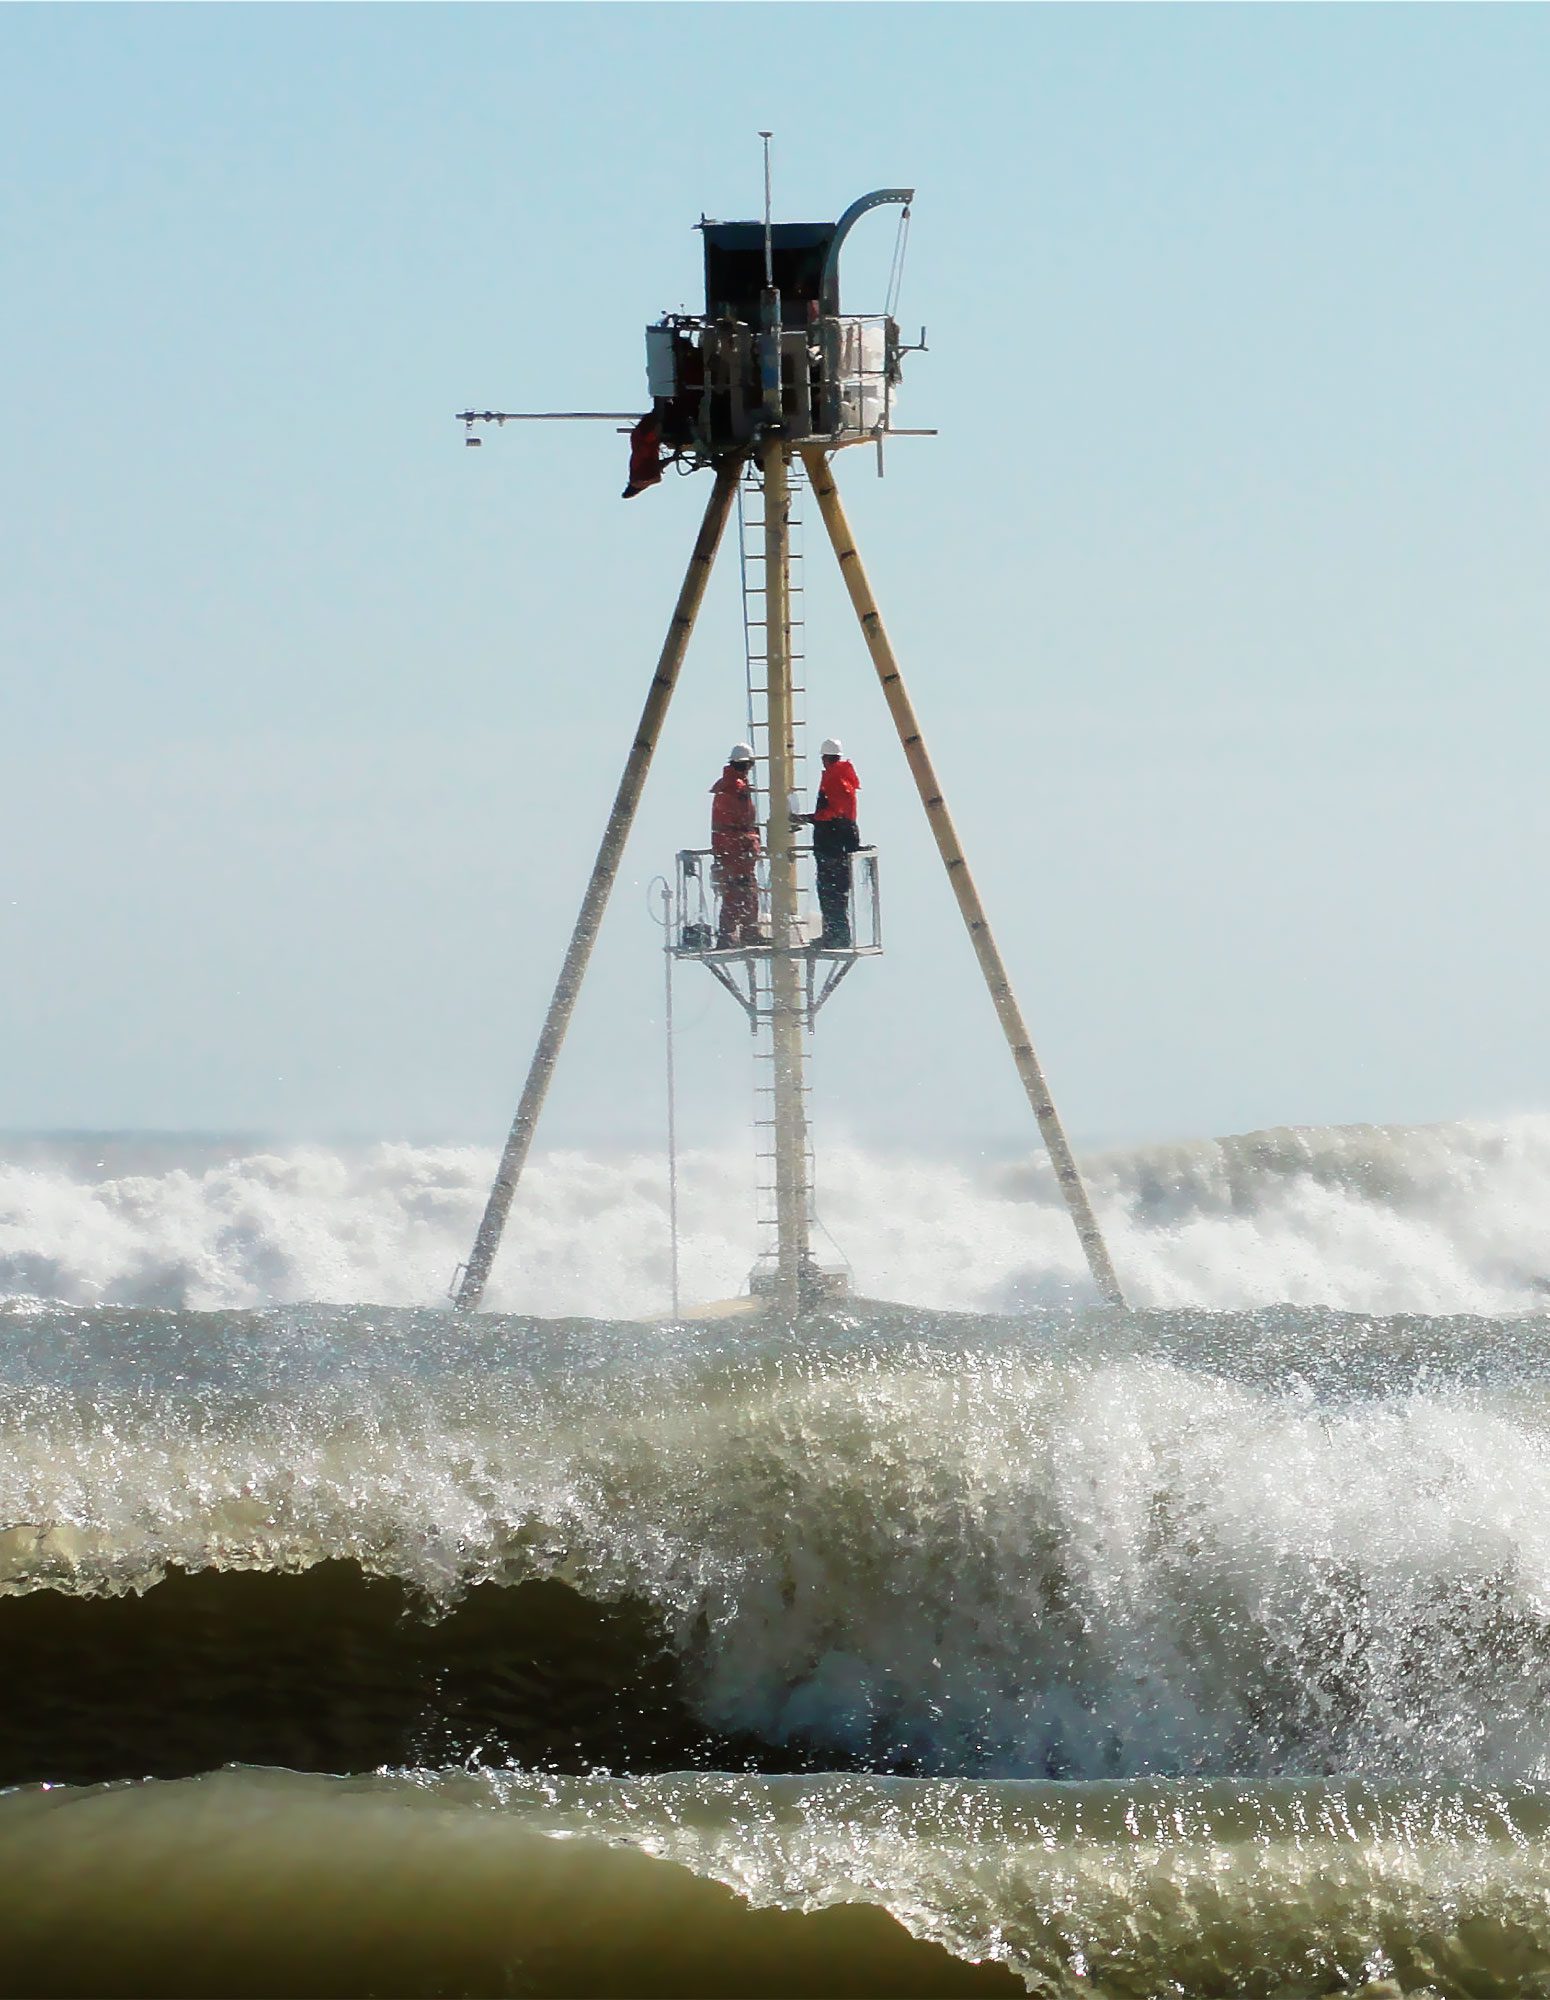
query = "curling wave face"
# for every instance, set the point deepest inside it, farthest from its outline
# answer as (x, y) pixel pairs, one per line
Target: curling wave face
(908, 1651)
(1068, 1545)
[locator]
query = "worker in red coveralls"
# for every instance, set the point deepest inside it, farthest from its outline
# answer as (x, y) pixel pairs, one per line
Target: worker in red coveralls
(836, 837)
(734, 847)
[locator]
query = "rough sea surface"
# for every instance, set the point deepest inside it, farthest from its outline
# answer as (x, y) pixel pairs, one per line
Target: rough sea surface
(998, 1642)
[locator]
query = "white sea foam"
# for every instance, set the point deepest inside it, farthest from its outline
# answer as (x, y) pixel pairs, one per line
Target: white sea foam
(1068, 1545)
(1436, 1219)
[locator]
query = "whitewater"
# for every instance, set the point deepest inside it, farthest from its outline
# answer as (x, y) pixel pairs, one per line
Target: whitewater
(1443, 1219)
(989, 1640)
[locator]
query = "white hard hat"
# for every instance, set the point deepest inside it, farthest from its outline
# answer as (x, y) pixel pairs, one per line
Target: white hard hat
(740, 754)
(832, 747)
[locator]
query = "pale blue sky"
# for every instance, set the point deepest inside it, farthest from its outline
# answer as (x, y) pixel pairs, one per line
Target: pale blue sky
(1223, 593)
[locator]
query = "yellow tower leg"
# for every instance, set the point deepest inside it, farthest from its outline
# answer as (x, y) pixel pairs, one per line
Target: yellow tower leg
(562, 1004)
(973, 911)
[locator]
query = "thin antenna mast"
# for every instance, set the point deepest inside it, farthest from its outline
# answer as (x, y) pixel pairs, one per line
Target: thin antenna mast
(769, 238)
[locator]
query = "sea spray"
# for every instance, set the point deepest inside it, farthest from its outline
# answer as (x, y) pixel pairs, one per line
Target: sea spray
(1067, 1545)
(1201, 1650)
(1443, 1219)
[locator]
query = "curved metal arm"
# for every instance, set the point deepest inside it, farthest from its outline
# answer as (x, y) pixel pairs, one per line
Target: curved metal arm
(878, 198)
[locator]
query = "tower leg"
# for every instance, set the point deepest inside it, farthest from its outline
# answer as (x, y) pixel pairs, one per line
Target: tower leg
(787, 980)
(620, 819)
(994, 971)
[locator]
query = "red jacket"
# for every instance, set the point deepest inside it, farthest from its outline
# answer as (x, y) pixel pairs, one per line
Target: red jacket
(645, 456)
(734, 821)
(837, 790)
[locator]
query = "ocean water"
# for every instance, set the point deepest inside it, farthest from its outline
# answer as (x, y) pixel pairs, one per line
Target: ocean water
(1436, 1219)
(992, 1642)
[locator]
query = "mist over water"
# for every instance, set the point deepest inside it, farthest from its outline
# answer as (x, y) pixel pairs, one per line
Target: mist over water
(1199, 1649)
(1441, 1219)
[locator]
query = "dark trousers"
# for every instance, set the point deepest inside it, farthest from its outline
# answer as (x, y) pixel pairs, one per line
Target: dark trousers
(833, 843)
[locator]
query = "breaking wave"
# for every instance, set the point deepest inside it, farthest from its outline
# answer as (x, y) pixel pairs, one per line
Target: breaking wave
(1200, 1649)
(1451, 1218)
(1071, 1545)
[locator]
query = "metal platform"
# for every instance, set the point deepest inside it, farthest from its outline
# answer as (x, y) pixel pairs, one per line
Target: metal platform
(744, 968)
(695, 910)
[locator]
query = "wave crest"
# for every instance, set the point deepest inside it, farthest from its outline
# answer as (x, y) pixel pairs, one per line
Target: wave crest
(1449, 1218)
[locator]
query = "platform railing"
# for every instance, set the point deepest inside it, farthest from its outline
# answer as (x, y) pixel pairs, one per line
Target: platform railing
(697, 901)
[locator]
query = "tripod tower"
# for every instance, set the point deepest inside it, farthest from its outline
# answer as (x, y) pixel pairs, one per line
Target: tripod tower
(762, 389)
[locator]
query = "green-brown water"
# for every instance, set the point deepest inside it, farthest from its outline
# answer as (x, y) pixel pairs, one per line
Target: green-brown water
(1190, 1654)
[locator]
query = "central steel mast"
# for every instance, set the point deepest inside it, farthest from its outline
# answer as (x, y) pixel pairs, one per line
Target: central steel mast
(787, 983)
